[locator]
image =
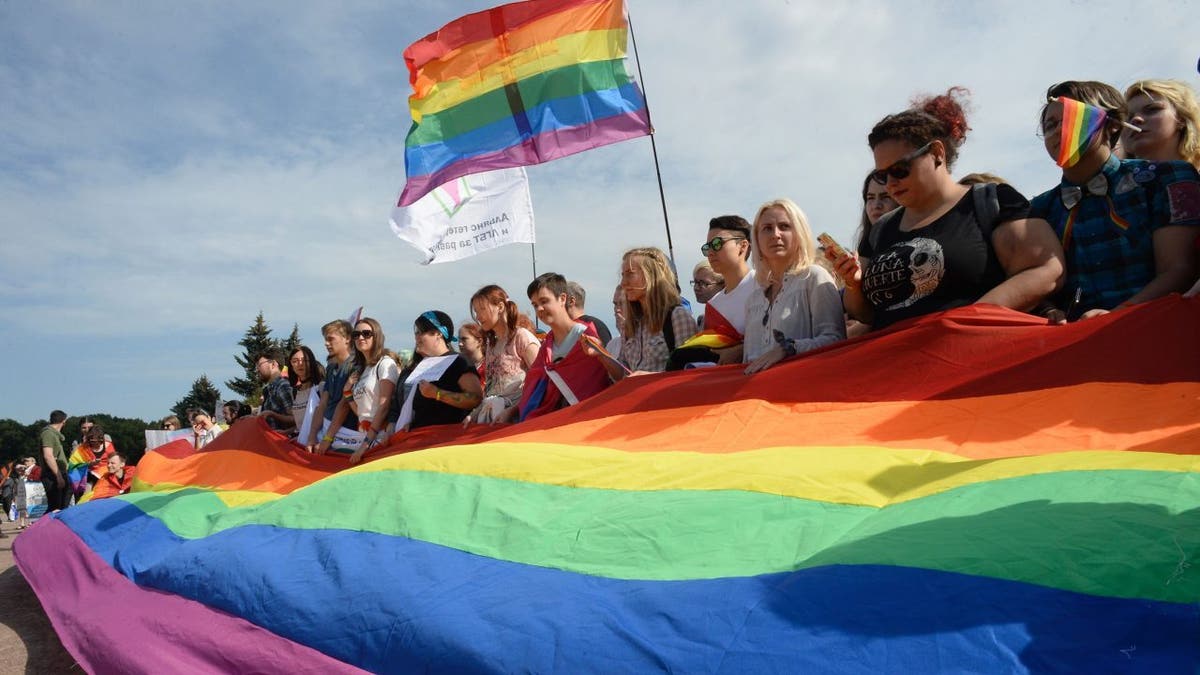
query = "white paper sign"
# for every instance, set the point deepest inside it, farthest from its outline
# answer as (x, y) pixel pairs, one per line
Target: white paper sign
(428, 370)
(468, 215)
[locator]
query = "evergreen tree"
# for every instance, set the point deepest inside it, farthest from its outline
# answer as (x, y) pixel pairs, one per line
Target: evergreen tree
(292, 343)
(203, 395)
(256, 342)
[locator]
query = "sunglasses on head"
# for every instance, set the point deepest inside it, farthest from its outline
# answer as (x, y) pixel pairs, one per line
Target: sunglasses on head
(716, 243)
(901, 167)
(368, 333)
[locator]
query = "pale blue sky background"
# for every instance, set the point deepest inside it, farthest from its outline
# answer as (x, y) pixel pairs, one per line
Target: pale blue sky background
(169, 169)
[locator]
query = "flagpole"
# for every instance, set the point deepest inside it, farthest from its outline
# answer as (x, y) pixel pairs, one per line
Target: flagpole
(537, 323)
(653, 146)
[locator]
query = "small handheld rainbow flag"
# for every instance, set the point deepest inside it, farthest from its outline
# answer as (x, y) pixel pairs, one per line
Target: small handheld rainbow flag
(1080, 122)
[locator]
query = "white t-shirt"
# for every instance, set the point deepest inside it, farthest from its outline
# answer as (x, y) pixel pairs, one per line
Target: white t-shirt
(732, 306)
(366, 390)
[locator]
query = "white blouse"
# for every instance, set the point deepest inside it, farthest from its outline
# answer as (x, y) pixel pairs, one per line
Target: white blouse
(807, 311)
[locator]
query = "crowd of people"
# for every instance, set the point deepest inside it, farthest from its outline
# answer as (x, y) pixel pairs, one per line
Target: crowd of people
(101, 470)
(1122, 227)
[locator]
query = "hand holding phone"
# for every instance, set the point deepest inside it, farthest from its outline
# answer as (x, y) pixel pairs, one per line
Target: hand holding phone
(833, 250)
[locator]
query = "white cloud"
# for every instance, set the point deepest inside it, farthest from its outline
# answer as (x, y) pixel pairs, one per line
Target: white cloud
(172, 169)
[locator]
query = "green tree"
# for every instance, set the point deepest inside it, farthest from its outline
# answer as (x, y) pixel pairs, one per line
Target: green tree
(256, 342)
(291, 344)
(203, 395)
(17, 440)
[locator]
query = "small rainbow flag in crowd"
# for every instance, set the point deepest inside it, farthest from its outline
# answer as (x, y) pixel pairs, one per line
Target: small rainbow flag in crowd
(977, 492)
(519, 84)
(1080, 122)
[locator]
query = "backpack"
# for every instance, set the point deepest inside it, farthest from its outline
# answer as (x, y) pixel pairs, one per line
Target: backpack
(987, 208)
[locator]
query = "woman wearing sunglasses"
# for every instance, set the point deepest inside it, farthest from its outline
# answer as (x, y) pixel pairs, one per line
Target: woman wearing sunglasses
(372, 384)
(947, 245)
(795, 307)
(657, 322)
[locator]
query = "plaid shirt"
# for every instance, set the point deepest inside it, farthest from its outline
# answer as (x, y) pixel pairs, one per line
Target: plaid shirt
(277, 397)
(649, 351)
(1108, 238)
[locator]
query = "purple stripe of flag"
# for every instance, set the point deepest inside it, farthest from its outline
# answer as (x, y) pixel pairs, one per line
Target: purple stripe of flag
(541, 148)
(115, 626)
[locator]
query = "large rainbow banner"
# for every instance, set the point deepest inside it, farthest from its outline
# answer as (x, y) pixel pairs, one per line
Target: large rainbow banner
(515, 85)
(978, 492)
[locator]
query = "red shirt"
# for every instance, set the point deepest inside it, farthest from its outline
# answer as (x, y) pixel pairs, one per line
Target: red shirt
(110, 486)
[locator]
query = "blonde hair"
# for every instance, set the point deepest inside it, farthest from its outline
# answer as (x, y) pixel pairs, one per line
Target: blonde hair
(806, 249)
(662, 290)
(1187, 109)
(980, 178)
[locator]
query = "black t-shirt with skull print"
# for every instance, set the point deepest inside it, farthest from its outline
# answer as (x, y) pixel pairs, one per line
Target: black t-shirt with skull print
(944, 265)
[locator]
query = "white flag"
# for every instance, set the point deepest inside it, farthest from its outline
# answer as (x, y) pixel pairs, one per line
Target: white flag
(469, 215)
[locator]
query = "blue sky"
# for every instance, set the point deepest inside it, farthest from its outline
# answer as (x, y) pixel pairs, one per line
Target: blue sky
(168, 170)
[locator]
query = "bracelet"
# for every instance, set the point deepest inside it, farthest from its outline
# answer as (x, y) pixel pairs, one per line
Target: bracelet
(327, 438)
(438, 395)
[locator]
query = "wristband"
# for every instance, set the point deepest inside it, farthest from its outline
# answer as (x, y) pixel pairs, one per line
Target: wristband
(327, 438)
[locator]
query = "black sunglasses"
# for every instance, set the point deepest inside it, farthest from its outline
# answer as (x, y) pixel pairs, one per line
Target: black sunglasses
(901, 167)
(363, 333)
(716, 243)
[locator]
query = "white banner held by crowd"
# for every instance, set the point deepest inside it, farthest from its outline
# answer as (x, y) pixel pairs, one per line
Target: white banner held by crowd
(469, 215)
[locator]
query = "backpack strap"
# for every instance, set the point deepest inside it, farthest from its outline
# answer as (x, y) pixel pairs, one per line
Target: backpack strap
(668, 329)
(987, 208)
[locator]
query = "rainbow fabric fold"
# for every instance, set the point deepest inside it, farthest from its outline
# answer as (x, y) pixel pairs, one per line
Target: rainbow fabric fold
(1080, 122)
(79, 464)
(978, 492)
(718, 332)
(519, 84)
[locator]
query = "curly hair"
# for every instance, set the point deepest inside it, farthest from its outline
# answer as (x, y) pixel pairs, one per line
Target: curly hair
(932, 118)
(1187, 109)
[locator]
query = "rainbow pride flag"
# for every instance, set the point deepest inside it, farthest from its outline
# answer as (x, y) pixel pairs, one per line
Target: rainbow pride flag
(519, 84)
(978, 492)
(1080, 122)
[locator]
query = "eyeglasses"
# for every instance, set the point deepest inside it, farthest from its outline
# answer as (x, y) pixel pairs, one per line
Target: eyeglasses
(366, 334)
(715, 245)
(697, 283)
(901, 167)
(1047, 127)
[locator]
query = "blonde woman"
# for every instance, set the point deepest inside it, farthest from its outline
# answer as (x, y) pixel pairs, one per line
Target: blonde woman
(798, 307)
(1169, 117)
(656, 322)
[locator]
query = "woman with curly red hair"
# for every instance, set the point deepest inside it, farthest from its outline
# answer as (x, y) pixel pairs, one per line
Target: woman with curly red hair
(947, 245)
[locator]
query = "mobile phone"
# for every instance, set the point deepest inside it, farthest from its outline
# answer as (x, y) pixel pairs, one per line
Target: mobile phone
(833, 250)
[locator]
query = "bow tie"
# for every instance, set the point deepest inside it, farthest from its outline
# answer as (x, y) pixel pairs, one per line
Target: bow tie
(1073, 194)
